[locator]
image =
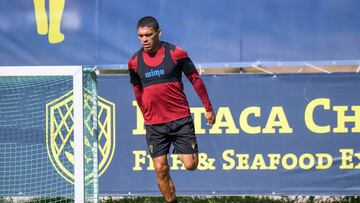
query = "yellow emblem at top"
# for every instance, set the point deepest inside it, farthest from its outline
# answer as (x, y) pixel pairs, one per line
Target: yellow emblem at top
(49, 27)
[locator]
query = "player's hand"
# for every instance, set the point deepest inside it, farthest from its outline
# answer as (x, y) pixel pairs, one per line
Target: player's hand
(210, 117)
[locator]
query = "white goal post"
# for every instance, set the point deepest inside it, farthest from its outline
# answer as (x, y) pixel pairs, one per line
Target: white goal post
(77, 73)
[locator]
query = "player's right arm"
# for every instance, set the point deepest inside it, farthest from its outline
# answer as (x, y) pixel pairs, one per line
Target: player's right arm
(135, 80)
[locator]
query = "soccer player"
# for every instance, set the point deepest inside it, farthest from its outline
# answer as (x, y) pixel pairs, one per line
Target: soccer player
(155, 72)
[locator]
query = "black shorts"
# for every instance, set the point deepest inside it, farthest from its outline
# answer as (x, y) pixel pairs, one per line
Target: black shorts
(180, 133)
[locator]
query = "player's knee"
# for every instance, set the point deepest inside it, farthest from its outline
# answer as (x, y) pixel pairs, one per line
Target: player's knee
(162, 171)
(191, 165)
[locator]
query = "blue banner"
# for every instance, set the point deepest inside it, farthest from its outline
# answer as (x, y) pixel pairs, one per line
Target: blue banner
(285, 134)
(93, 32)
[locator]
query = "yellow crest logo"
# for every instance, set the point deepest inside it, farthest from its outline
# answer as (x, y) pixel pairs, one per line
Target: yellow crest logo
(59, 134)
(193, 145)
(151, 148)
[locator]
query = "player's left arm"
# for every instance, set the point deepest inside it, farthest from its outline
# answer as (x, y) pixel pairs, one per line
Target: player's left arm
(193, 76)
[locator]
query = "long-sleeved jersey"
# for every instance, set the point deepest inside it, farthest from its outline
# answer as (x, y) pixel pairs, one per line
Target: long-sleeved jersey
(158, 88)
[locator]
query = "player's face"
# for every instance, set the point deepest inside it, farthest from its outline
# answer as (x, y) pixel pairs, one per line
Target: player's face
(149, 38)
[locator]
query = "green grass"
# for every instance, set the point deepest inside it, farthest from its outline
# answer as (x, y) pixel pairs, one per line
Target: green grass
(228, 199)
(237, 199)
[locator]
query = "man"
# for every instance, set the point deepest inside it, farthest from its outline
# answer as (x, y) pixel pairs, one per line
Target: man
(155, 72)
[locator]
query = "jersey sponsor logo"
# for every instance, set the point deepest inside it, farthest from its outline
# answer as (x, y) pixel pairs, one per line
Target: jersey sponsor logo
(154, 73)
(60, 139)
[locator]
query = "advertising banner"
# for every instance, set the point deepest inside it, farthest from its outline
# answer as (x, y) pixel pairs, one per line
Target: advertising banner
(285, 134)
(94, 32)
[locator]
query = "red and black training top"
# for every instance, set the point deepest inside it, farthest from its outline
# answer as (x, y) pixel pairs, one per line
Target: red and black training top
(158, 88)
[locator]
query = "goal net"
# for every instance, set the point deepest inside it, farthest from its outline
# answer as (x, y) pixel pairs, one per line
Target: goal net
(48, 134)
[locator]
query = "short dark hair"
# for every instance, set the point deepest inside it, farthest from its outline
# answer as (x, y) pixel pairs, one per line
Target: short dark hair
(148, 21)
